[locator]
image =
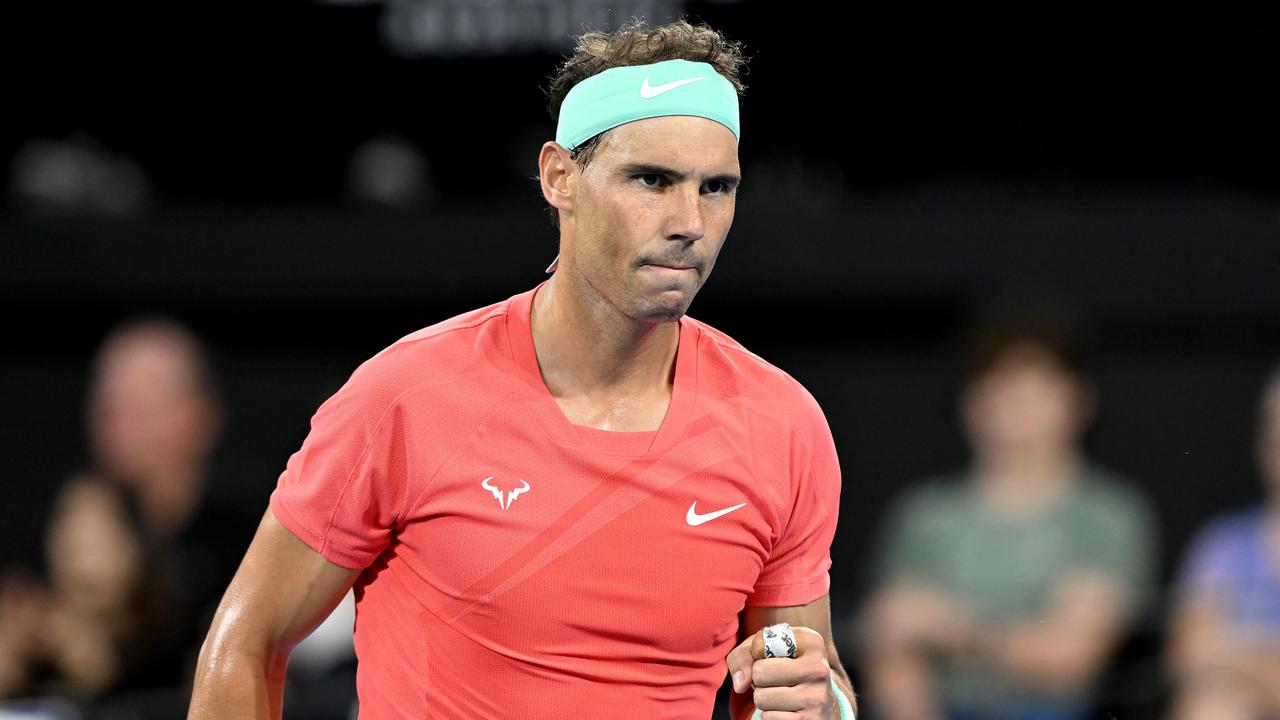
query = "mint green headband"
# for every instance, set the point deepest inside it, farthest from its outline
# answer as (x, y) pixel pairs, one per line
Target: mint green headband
(623, 94)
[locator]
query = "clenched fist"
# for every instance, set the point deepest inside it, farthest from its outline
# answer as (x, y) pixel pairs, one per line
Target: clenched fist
(785, 688)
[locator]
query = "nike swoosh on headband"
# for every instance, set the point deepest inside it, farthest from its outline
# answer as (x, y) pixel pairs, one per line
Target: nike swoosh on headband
(610, 98)
(649, 92)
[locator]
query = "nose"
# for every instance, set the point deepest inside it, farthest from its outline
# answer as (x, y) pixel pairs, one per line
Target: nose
(687, 220)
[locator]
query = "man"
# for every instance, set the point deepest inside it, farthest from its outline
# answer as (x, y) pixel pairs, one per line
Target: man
(1005, 589)
(154, 416)
(140, 544)
(577, 502)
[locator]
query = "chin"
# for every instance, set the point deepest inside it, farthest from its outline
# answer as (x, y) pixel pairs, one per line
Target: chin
(663, 310)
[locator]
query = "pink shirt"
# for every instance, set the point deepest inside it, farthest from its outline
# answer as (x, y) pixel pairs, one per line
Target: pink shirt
(519, 566)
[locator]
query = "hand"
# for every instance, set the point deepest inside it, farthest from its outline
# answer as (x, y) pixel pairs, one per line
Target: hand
(796, 688)
(22, 613)
(83, 650)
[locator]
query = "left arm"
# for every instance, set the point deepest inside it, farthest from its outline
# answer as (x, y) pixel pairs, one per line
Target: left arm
(801, 685)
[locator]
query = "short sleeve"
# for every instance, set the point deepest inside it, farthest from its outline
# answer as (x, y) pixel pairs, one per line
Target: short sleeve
(343, 491)
(798, 570)
(1120, 542)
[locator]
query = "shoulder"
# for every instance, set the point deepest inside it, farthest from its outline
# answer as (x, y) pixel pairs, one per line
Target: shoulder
(443, 355)
(730, 372)
(938, 496)
(1112, 514)
(930, 513)
(1222, 550)
(1105, 489)
(1230, 531)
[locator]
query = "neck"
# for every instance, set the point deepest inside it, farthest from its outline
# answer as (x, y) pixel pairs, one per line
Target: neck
(585, 345)
(168, 500)
(1027, 479)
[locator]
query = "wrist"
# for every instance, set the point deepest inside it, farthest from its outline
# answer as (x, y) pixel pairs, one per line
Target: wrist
(843, 708)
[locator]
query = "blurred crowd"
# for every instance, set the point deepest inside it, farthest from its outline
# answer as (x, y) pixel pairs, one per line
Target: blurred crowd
(1004, 590)
(138, 548)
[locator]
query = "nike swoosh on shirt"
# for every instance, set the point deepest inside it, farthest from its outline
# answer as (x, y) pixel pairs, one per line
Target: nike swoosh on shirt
(693, 518)
(648, 92)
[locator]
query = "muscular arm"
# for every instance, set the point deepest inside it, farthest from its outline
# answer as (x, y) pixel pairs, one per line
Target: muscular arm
(815, 616)
(281, 592)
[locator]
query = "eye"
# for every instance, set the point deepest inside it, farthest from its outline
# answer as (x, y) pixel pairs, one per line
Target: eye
(718, 188)
(659, 179)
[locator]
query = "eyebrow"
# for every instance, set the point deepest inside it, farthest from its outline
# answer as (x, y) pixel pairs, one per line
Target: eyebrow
(645, 169)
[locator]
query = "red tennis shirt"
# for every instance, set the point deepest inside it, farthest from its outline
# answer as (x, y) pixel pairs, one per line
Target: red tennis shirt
(519, 566)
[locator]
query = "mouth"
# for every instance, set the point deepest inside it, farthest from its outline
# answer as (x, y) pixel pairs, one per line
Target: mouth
(662, 266)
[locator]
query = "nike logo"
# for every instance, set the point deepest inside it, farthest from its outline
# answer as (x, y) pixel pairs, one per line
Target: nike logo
(651, 92)
(693, 518)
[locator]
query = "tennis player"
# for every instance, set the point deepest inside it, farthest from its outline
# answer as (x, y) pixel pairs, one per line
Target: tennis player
(577, 502)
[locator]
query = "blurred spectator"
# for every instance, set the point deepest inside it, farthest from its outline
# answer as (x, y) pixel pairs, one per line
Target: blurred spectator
(154, 418)
(1225, 645)
(104, 622)
(1003, 590)
(138, 548)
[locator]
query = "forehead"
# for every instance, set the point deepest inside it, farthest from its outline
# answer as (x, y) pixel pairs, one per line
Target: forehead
(683, 142)
(146, 363)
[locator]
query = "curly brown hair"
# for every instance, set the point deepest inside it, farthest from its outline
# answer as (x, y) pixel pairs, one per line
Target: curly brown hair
(634, 43)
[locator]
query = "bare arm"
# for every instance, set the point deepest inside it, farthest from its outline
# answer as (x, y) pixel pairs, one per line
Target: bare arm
(1210, 668)
(902, 624)
(1062, 647)
(1068, 644)
(281, 592)
(815, 616)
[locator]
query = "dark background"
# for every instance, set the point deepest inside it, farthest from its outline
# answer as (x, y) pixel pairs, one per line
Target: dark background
(897, 175)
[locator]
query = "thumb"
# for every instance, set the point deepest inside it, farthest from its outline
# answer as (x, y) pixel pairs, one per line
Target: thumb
(739, 662)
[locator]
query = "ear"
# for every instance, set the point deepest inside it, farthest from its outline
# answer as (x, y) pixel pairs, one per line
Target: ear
(967, 407)
(212, 420)
(558, 174)
(1087, 403)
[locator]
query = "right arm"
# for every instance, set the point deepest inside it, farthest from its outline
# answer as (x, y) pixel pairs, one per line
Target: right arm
(281, 592)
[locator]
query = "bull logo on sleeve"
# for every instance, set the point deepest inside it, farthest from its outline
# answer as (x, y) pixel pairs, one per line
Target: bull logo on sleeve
(511, 495)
